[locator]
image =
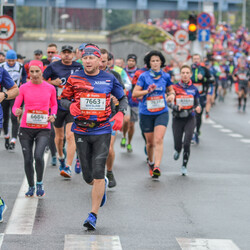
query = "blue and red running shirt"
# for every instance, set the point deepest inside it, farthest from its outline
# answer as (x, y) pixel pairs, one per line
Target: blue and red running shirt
(186, 96)
(155, 102)
(59, 70)
(91, 97)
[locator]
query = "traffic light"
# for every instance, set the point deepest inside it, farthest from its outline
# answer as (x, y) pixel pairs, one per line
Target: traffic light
(8, 10)
(192, 27)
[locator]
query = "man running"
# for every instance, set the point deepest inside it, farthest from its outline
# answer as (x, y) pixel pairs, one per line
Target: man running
(90, 90)
(131, 117)
(201, 79)
(18, 74)
(51, 51)
(11, 91)
(59, 73)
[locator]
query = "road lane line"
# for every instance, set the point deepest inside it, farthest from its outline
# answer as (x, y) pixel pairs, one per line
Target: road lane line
(23, 213)
(1, 239)
(90, 242)
(217, 126)
(235, 135)
(206, 244)
(225, 130)
(245, 140)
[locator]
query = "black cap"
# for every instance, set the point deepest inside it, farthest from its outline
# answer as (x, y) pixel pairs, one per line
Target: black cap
(132, 56)
(19, 56)
(110, 57)
(67, 47)
(2, 53)
(38, 52)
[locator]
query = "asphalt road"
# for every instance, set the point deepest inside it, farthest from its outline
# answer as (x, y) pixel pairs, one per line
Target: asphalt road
(212, 202)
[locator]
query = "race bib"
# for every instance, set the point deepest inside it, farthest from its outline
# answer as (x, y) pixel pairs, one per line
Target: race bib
(93, 103)
(223, 75)
(155, 103)
(199, 87)
(59, 90)
(242, 77)
(186, 101)
(37, 118)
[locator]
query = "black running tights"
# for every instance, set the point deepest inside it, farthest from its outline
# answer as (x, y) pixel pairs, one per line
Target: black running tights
(183, 126)
(27, 147)
(7, 108)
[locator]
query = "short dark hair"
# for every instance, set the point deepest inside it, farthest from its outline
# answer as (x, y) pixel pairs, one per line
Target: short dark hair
(186, 66)
(104, 51)
(52, 45)
(154, 53)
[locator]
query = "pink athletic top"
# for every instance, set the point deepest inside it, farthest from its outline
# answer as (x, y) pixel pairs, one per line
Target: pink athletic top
(38, 99)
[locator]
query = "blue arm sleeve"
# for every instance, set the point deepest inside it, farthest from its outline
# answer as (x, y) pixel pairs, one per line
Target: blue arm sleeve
(24, 75)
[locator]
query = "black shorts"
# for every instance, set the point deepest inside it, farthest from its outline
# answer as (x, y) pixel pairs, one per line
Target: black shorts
(61, 117)
(32, 133)
(149, 122)
(243, 87)
(92, 151)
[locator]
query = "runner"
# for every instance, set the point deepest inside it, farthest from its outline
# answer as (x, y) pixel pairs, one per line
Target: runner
(115, 108)
(152, 86)
(120, 62)
(2, 57)
(51, 51)
(223, 80)
(201, 79)
(90, 90)
(131, 115)
(186, 104)
(3, 208)
(121, 71)
(242, 76)
(38, 54)
(18, 74)
(59, 73)
(38, 97)
(10, 93)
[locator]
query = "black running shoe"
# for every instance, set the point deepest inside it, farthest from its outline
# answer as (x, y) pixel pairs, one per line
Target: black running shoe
(12, 146)
(111, 178)
(7, 143)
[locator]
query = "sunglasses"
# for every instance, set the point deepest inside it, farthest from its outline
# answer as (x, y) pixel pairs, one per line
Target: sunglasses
(51, 52)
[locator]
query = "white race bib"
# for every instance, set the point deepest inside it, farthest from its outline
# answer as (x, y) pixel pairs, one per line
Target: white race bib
(37, 118)
(186, 101)
(93, 103)
(155, 103)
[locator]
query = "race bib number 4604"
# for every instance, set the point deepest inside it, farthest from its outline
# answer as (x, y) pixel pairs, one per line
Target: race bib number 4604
(37, 118)
(93, 103)
(186, 101)
(155, 103)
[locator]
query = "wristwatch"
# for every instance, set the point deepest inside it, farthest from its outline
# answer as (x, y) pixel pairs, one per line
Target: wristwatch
(5, 95)
(123, 111)
(54, 115)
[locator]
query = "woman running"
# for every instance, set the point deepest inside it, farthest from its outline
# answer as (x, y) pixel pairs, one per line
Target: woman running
(186, 103)
(38, 97)
(152, 86)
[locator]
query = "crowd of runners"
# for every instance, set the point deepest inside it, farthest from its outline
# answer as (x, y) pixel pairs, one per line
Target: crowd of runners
(73, 102)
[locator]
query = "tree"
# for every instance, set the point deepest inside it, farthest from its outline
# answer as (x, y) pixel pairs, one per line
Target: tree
(118, 18)
(28, 17)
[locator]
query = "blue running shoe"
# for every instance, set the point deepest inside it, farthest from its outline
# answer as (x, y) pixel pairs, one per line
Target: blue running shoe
(30, 192)
(3, 208)
(104, 198)
(196, 138)
(184, 170)
(62, 164)
(39, 190)
(53, 161)
(66, 172)
(78, 168)
(90, 222)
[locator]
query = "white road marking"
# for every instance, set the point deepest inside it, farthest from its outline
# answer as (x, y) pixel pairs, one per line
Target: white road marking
(1, 239)
(245, 140)
(208, 121)
(206, 244)
(236, 135)
(225, 130)
(217, 126)
(90, 242)
(24, 211)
